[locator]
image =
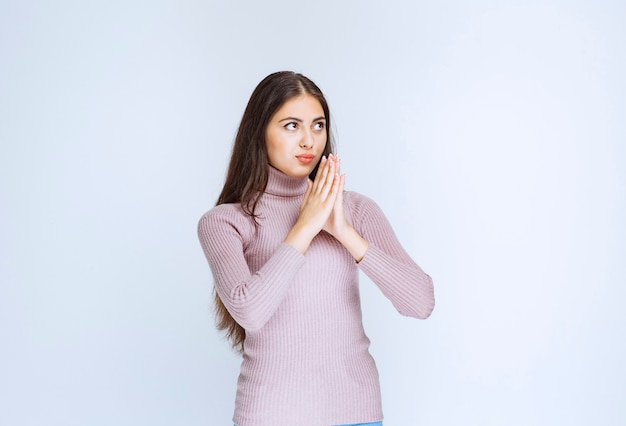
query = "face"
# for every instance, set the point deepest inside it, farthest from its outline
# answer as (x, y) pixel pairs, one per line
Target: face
(296, 136)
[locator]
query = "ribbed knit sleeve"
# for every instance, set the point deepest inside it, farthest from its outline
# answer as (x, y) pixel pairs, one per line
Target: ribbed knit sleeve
(386, 262)
(251, 297)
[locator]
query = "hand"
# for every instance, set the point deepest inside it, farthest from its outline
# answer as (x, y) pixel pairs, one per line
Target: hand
(321, 195)
(337, 224)
(317, 205)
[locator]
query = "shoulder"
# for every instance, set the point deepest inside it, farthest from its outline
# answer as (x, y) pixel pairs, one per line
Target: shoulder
(225, 217)
(360, 207)
(356, 202)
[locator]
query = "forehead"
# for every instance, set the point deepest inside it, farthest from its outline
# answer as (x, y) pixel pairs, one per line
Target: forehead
(301, 106)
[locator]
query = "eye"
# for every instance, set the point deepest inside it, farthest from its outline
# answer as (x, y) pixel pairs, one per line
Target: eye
(291, 126)
(319, 125)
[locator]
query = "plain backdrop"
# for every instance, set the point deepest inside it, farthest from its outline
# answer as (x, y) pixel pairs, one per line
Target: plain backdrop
(491, 133)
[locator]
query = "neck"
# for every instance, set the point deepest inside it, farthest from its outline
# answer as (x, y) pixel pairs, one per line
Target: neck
(283, 185)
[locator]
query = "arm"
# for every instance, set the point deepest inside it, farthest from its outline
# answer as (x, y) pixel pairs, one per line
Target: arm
(374, 246)
(251, 298)
(387, 264)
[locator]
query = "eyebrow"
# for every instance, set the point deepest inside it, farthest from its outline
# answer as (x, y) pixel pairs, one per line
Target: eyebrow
(322, 118)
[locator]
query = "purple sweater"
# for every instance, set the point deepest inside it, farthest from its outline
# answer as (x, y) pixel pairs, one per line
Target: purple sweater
(306, 359)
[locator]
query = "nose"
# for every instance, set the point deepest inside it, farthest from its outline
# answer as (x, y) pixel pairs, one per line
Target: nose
(307, 140)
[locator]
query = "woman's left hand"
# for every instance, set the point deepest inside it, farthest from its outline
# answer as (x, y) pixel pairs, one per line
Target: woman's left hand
(337, 224)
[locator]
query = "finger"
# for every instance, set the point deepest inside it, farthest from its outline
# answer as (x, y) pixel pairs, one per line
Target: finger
(322, 187)
(338, 176)
(336, 186)
(342, 184)
(329, 177)
(320, 177)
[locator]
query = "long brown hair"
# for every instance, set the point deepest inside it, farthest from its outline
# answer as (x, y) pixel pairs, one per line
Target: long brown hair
(247, 174)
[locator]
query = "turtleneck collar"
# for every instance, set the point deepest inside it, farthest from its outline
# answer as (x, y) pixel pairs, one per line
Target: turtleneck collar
(282, 185)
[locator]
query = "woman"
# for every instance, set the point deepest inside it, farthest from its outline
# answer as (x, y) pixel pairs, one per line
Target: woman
(285, 244)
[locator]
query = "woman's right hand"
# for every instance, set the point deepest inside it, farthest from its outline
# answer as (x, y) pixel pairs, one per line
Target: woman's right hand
(317, 204)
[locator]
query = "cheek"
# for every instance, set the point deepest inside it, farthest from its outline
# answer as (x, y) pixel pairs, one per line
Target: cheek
(323, 141)
(277, 148)
(272, 144)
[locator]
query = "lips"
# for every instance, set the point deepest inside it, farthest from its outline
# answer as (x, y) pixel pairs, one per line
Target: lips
(305, 158)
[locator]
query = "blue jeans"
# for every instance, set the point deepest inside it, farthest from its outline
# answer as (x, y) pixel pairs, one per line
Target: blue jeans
(361, 424)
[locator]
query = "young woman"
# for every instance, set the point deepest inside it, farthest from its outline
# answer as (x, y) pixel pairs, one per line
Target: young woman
(285, 244)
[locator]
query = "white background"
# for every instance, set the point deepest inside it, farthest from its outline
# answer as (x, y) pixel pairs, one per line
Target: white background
(491, 134)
